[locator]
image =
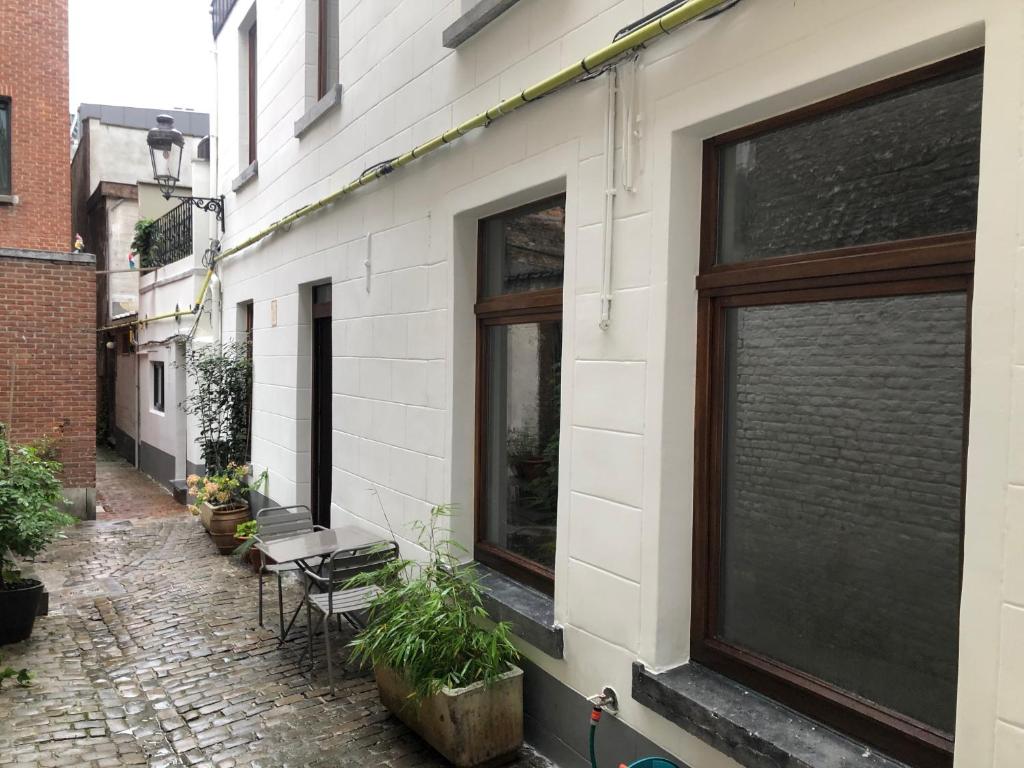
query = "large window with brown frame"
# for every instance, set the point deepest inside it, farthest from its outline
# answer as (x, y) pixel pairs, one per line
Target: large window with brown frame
(251, 101)
(834, 293)
(519, 354)
(327, 56)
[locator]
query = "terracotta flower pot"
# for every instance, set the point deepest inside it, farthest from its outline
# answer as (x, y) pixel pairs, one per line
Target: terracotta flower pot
(471, 726)
(223, 521)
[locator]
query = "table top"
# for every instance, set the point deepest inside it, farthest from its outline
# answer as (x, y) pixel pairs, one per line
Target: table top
(303, 546)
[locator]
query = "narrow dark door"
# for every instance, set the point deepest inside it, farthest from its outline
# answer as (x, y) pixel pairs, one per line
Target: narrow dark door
(321, 458)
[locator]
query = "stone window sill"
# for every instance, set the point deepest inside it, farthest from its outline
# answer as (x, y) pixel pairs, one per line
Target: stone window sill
(251, 172)
(330, 101)
(753, 730)
(9, 200)
(473, 20)
(531, 613)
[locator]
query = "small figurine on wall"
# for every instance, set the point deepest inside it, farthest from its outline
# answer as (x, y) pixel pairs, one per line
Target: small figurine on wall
(79, 243)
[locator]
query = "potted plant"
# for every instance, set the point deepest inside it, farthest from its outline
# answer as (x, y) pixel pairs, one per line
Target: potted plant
(30, 518)
(245, 537)
(439, 667)
(222, 502)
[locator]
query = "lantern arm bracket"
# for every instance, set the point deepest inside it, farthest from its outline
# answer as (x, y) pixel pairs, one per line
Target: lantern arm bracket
(209, 204)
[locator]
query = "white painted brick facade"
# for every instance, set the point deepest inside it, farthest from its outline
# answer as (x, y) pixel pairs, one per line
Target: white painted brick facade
(403, 325)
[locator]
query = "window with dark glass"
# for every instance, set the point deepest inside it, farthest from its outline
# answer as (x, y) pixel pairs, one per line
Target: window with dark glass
(5, 146)
(328, 56)
(833, 360)
(519, 319)
(251, 101)
(158, 386)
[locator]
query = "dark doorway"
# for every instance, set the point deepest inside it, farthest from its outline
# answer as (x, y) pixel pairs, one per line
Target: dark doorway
(321, 456)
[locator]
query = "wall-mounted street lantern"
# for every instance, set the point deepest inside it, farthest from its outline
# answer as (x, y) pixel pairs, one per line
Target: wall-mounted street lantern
(165, 148)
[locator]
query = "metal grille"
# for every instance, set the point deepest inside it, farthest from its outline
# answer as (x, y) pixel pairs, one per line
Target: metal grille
(220, 10)
(173, 235)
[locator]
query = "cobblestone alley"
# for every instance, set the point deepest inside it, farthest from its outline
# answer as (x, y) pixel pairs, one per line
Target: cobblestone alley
(151, 655)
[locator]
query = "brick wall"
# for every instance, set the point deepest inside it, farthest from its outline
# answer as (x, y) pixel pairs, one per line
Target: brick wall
(47, 349)
(34, 74)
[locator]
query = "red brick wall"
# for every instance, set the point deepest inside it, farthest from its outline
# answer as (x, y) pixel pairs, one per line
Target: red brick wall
(48, 351)
(34, 74)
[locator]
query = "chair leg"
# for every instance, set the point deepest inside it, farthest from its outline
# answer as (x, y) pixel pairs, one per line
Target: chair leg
(309, 640)
(280, 603)
(327, 647)
(261, 597)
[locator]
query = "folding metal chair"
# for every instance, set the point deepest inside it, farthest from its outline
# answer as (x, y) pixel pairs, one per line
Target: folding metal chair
(335, 599)
(277, 523)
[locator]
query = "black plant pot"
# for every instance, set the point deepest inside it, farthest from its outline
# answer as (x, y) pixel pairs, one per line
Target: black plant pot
(18, 607)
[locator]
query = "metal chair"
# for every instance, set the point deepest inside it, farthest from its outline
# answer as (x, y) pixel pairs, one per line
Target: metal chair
(278, 523)
(335, 599)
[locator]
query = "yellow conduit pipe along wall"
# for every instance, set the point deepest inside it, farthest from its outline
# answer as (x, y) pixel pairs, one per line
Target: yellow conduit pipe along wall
(588, 64)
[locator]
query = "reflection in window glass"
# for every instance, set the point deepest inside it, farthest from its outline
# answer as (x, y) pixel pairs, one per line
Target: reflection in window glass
(841, 493)
(329, 52)
(899, 166)
(5, 147)
(523, 398)
(525, 250)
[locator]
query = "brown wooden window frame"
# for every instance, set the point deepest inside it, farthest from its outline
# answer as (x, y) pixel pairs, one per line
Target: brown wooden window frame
(251, 73)
(322, 49)
(937, 264)
(6, 148)
(505, 309)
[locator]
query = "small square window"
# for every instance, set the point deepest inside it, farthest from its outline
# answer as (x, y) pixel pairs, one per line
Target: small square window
(158, 386)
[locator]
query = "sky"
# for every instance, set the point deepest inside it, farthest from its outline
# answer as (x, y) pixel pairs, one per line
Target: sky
(141, 53)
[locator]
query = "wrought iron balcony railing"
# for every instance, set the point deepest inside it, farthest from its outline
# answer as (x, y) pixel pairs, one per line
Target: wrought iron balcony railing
(172, 237)
(220, 10)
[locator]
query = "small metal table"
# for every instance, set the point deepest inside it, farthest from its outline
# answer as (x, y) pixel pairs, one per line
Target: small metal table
(304, 547)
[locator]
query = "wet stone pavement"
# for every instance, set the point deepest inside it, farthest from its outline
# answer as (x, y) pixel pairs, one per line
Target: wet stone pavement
(151, 655)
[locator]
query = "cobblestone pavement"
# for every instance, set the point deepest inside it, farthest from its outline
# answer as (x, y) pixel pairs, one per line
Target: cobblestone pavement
(124, 493)
(151, 656)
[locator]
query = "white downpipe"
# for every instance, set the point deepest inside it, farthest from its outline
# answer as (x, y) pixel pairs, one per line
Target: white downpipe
(609, 198)
(216, 309)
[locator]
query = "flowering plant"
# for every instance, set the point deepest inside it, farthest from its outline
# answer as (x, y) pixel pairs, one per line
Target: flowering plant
(222, 488)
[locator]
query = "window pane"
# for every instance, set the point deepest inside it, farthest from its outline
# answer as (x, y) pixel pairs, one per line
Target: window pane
(5, 147)
(523, 378)
(329, 41)
(841, 510)
(322, 293)
(525, 250)
(899, 166)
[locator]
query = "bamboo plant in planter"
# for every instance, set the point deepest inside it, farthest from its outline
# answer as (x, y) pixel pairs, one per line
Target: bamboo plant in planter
(439, 667)
(30, 518)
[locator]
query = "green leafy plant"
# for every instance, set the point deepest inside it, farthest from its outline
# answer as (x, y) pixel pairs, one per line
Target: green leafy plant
(221, 488)
(22, 677)
(146, 241)
(30, 515)
(221, 378)
(426, 621)
(247, 532)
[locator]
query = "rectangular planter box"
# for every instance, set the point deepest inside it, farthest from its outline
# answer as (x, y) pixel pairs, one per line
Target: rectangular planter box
(471, 726)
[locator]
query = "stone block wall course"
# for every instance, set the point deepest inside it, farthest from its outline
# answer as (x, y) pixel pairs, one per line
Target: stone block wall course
(400, 255)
